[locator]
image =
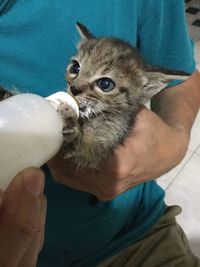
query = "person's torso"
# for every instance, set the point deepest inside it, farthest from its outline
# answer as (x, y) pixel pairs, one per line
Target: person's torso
(37, 38)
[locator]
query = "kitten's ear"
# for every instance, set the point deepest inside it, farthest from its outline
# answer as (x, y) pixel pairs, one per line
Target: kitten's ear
(155, 81)
(83, 31)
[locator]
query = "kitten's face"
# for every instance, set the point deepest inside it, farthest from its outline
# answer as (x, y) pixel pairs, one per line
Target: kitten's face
(104, 76)
(109, 77)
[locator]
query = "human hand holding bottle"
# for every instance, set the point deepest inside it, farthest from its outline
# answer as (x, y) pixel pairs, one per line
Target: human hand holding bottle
(22, 219)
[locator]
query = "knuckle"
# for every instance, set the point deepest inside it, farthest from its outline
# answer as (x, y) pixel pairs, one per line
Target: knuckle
(122, 172)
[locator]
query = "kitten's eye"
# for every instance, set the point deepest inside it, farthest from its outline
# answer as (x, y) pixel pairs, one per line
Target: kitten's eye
(75, 67)
(106, 84)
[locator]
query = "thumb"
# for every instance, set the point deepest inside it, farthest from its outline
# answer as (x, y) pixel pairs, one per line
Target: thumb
(21, 212)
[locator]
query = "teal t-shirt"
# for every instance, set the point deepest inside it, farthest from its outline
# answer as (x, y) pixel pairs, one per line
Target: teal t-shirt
(37, 38)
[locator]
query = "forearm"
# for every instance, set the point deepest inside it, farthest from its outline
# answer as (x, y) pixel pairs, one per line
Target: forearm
(178, 105)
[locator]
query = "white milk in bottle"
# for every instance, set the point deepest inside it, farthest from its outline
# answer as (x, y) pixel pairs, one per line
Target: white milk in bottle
(30, 132)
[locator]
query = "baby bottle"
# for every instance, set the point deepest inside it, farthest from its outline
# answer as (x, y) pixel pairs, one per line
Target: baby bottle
(30, 132)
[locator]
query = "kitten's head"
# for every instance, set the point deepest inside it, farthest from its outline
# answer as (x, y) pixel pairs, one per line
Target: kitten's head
(107, 75)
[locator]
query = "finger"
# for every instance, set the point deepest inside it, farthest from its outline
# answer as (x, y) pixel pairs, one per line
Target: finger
(20, 218)
(31, 255)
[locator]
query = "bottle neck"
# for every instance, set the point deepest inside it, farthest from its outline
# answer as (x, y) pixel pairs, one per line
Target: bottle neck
(57, 98)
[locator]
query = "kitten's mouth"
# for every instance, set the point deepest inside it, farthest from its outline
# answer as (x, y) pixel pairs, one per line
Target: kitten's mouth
(88, 110)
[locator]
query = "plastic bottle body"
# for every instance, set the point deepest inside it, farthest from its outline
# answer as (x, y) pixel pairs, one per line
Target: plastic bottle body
(30, 134)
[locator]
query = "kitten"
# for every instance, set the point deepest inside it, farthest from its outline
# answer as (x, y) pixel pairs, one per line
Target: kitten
(110, 81)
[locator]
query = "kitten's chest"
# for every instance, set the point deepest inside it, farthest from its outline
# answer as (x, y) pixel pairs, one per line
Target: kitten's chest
(93, 126)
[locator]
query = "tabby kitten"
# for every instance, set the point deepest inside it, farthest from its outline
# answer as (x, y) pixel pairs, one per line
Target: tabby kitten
(110, 81)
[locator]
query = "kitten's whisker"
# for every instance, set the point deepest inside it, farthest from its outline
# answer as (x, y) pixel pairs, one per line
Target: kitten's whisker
(94, 112)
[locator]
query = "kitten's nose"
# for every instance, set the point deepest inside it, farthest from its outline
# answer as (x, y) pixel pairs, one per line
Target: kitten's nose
(75, 91)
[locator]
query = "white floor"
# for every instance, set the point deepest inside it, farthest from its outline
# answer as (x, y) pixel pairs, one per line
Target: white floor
(182, 184)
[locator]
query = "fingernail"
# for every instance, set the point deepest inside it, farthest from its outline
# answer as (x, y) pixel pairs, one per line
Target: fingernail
(33, 180)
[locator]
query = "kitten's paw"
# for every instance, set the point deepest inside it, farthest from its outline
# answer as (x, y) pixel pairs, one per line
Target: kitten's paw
(71, 128)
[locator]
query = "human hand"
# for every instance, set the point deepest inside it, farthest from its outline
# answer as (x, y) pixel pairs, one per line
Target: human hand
(152, 149)
(22, 219)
